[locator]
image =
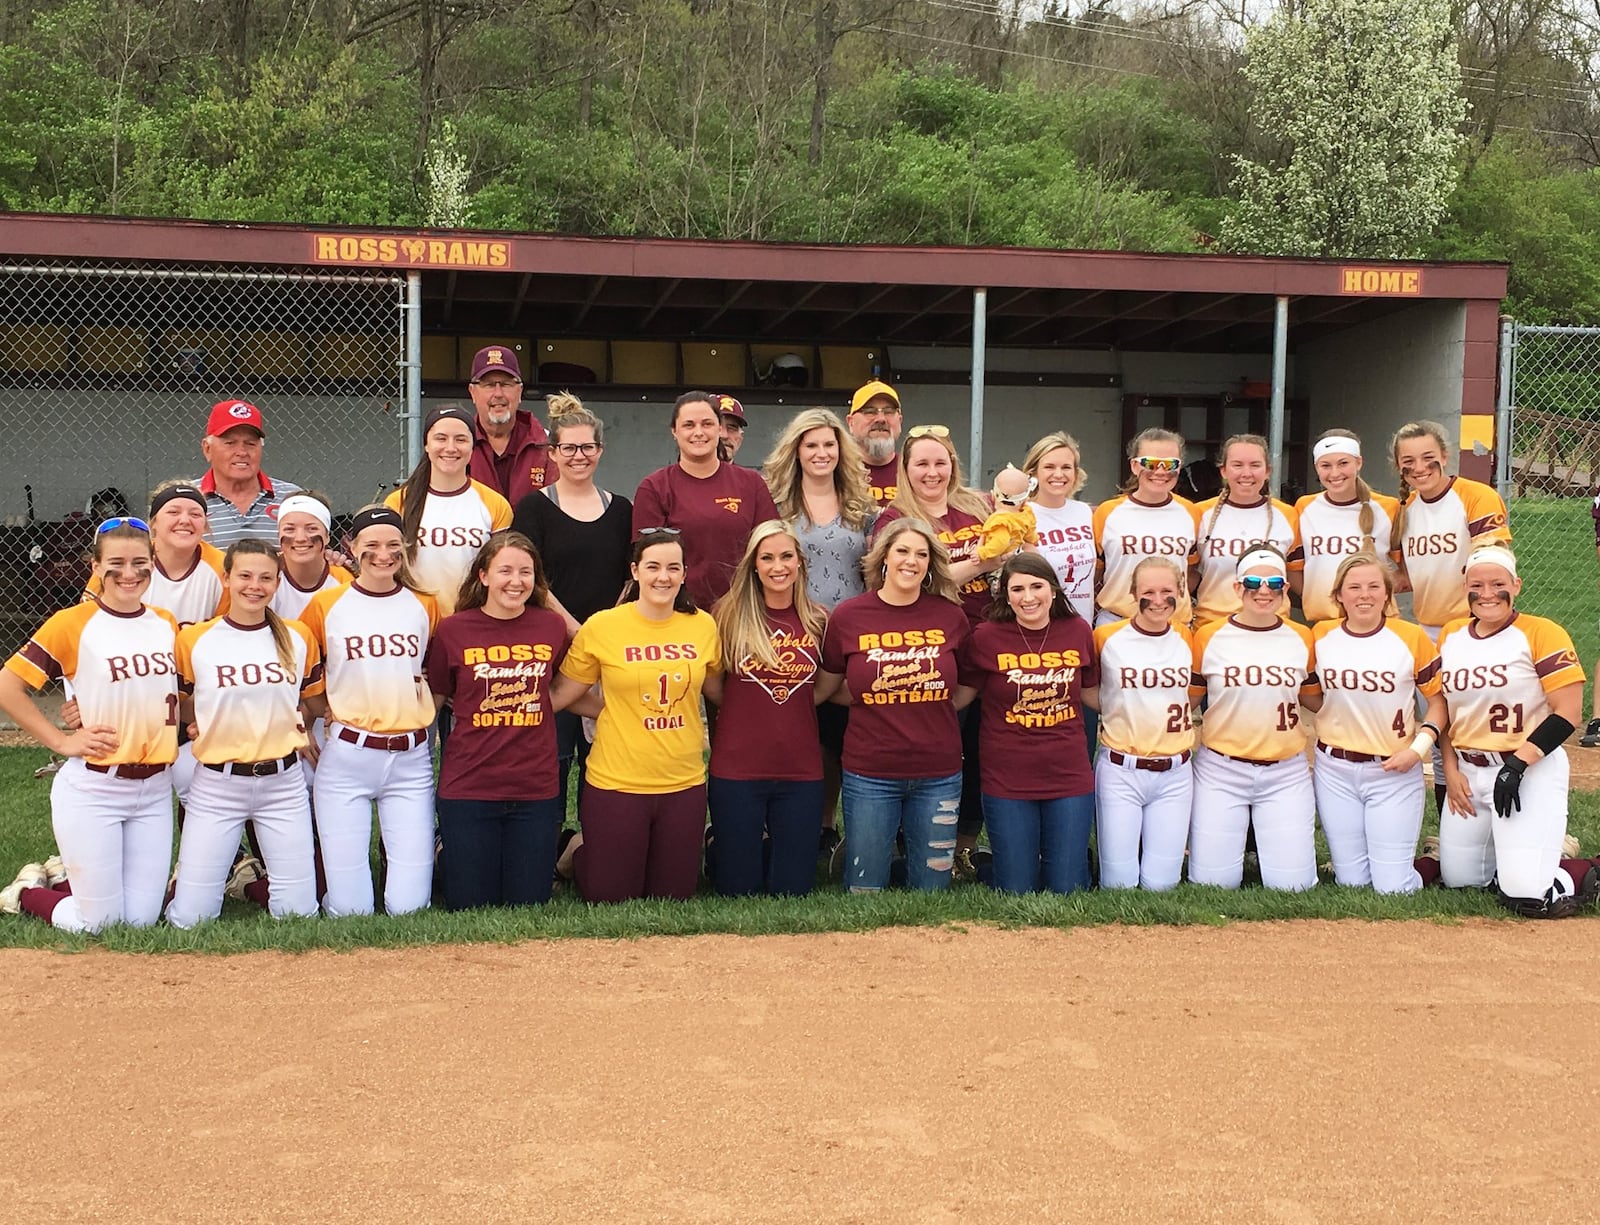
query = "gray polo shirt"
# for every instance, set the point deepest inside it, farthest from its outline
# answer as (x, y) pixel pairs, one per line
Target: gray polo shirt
(260, 520)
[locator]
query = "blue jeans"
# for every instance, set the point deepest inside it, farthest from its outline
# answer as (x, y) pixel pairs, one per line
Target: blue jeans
(1040, 844)
(498, 852)
(766, 835)
(876, 808)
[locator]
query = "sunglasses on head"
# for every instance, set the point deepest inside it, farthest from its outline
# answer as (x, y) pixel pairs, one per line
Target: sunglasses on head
(928, 431)
(1157, 463)
(122, 521)
(1272, 582)
(658, 531)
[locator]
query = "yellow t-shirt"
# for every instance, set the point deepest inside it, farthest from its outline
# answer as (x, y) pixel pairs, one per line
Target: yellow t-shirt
(1370, 682)
(1144, 689)
(1254, 679)
(1329, 532)
(649, 738)
(1223, 537)
(123, 673)
(1126, 531)
(246, 703)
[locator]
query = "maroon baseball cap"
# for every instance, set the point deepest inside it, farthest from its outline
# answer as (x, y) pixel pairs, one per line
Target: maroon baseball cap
(727, 406)
(230, 413)
(495, 359)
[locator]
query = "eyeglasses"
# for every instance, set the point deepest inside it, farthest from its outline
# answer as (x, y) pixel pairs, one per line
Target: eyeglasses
(883, 410)
(928, 431)
(1158, 463)
(1272, 582)
(658, 531)
(122, 521)
(570, 449)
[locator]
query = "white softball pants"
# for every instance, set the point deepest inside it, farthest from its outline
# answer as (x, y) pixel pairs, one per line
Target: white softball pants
(219, 805)
(1142, 822)
(1231, 795)
(1372, 818)
(349, 780)
(115, 838)
(1524, 849)
(183, 775)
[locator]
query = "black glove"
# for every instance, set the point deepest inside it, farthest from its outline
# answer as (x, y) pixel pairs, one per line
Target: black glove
(1508, 785)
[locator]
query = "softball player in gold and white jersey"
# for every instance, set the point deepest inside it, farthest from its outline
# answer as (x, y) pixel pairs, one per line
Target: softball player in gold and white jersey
(245, 676)
(1442, 519)
(1143, 781)
(111, 804)
(1514, 689)
(1345, 518)
(1258, 670)
(304, 528)
(1368, 768)
(1226, 527)
(447, 516)
(1145, 520)
(373, 635)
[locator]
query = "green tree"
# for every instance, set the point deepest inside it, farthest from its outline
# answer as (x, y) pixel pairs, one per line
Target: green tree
(1364, 99)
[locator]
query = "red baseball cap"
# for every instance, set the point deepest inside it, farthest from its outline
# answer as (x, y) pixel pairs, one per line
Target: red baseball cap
(495, 359)
(230, 413)
(727, 406)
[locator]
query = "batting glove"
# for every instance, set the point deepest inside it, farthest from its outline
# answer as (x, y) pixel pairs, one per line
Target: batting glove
(1508, 786)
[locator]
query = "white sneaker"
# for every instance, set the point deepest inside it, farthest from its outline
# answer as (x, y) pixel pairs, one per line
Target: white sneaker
(55, 870)
(32, 876)
(246, 872)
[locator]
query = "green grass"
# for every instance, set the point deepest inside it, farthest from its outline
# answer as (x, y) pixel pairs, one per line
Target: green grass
(25, 835)
(1554, 543)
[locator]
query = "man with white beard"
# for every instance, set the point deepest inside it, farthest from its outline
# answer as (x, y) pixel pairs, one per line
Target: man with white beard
(875, 424)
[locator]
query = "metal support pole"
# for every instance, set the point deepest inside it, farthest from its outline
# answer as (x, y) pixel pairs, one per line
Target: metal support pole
(980, 329)
(1280, 366)
(1502, 406)
(412, 363)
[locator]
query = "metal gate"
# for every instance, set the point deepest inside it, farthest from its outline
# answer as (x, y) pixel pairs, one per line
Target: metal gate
(108, 371)
(1549, 470)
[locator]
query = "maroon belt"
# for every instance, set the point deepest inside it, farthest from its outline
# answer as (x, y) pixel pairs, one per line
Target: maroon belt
(1157, 765)
(1474, 758)
(130, 771)
(1346, 754)
(384, 744)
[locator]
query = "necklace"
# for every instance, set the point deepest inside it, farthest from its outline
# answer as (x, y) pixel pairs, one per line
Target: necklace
(1028, 646)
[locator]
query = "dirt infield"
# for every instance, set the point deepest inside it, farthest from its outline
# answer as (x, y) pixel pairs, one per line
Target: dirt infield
(1260, 1072)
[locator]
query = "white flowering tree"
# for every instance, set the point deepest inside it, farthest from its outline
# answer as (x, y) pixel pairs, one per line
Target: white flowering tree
(447, 205)
(1364, 99)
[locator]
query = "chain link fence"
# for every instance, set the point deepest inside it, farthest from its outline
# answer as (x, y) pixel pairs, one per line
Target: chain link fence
(1550, 473)
(107, 374)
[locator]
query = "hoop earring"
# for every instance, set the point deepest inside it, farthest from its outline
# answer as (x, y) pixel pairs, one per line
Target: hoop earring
(927, 580)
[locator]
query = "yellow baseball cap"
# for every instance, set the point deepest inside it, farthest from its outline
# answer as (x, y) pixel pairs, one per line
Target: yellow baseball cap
(867, 391)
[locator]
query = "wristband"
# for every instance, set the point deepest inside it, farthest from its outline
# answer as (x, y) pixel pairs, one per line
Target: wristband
(1422, 742)
(1551, 734)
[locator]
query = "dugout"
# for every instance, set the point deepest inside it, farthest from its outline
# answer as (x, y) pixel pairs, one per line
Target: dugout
(116, 334)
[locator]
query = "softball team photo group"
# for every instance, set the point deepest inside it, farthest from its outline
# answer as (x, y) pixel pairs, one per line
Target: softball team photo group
(903, 680)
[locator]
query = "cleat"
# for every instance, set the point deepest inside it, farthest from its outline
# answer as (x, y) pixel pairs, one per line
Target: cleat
(55, 871)
(246, 872)
(32, 876)
(1591, 735)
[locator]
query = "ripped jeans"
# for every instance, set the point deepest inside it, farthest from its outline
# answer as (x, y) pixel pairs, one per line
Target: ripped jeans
(875, 809)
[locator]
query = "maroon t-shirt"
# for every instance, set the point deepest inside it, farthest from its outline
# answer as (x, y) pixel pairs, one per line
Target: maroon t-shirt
(497, 674)
(716, 515)
(882, 479)
(767, 727)
(1031, 742)
(902, 668)
(960, 533)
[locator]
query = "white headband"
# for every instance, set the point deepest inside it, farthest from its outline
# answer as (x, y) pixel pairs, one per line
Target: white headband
(1261, 557)
(1493, 555)
(299, 504)
(1337, 445)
